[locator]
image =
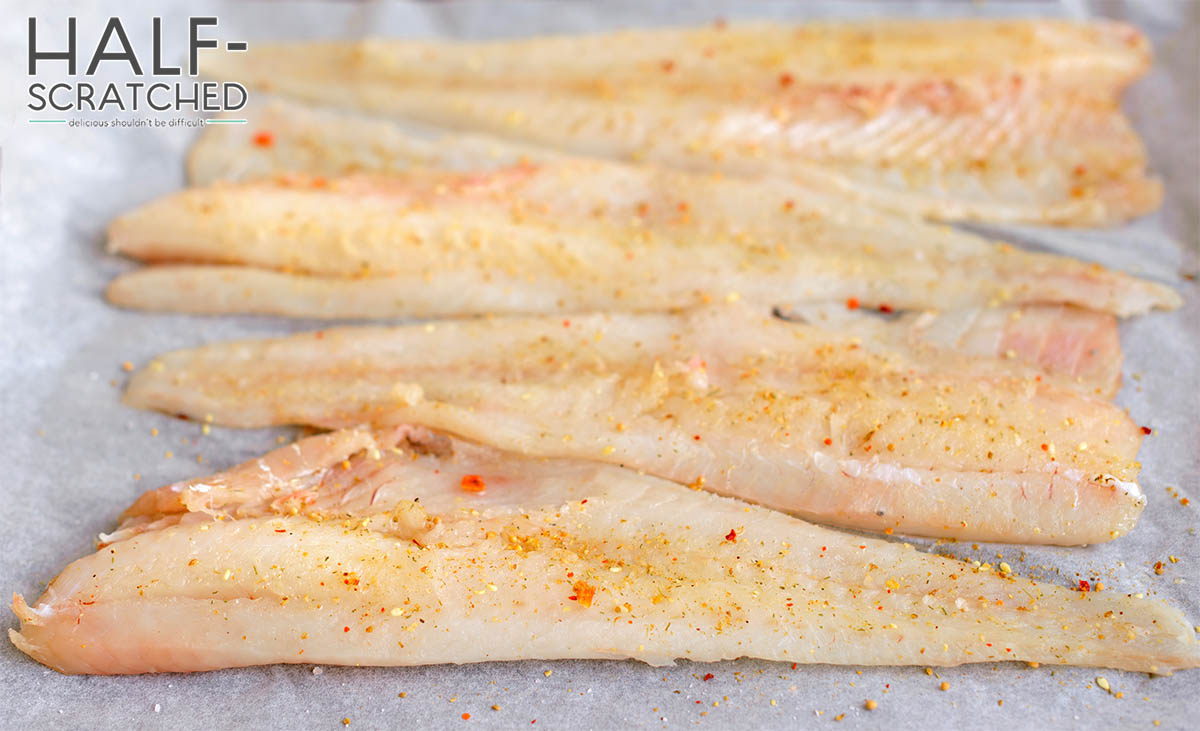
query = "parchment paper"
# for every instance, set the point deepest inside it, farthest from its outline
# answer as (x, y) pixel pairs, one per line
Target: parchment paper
(72, 454)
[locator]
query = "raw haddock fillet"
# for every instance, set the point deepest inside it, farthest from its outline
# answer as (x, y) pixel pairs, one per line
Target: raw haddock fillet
(408, 548)
(988, 120)
(860, 429)
(568, 235)
(282, 136)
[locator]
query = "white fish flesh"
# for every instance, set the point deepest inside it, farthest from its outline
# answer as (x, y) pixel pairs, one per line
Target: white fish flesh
(987, 120)
(836, 427)
(406, 548)
(571, 235)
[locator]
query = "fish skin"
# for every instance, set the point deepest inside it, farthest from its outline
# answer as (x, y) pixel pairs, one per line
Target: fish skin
(829, 426)
(961, 121)
(569, 235)
(274, 562)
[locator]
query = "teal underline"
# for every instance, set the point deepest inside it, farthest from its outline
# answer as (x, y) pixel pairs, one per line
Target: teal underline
(226, 121)
(47, 121)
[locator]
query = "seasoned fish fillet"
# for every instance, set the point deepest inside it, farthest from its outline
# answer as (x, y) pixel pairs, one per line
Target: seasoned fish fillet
(569, 235)
(281, 136)
(832, 426)
(407, 548)
(991, 120)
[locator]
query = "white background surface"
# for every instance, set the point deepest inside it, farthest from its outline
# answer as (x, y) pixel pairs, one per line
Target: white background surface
(70, 450)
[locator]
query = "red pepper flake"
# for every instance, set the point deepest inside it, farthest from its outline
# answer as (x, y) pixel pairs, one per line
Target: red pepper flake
(668, 66)
(1045, 447)
(828, 441)
(852, 303)
(264, 139)
(731, 536)
(345, 629)
(793, 666)
(584, 593)
(886, 309)
(566, 323)
(785, 80)
(281, 530)
(466, 717)
(1146, 430)
(1084, 585)
(473, 483)
(707, 677)
(789, 205)
(696, 437)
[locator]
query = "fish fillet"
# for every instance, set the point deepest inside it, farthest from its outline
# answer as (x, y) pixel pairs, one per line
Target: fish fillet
(282, 136)
(407, 548)
(831, 426)
(994, 120)
(568, 235)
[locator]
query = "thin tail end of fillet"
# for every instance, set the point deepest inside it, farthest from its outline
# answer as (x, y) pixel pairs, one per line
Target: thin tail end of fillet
(28, 618)
(140, 290)
(1144, 297)
(1091, 287)
(220, 290)
(174, 289)
(119, 292)
(26, 646)
(1117, 202)
(119, 232)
